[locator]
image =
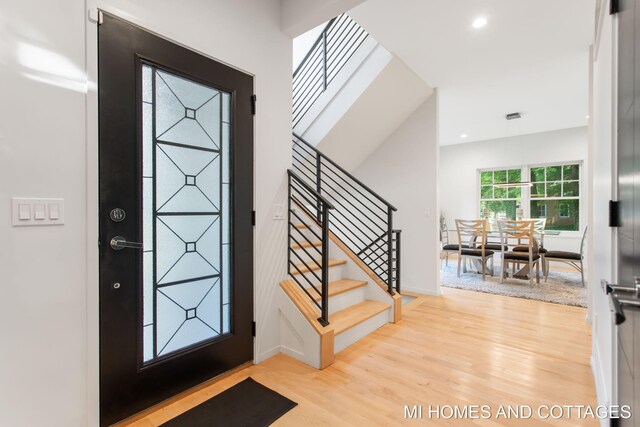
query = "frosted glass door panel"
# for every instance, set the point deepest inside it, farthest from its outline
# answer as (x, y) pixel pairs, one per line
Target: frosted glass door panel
(186, 165)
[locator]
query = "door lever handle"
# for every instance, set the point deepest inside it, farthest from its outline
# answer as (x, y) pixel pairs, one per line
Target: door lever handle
(118, 243)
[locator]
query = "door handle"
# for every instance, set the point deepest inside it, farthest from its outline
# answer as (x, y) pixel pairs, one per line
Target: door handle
(118, 243)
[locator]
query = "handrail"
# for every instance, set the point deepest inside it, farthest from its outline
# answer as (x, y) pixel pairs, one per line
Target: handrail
(314, 46)
(361, 219)
(341, 169)
(310, 189)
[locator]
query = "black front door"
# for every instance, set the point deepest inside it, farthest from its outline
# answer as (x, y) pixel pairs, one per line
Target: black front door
(176, 235)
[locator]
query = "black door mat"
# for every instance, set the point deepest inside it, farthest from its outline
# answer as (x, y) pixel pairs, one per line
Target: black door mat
(246, 404)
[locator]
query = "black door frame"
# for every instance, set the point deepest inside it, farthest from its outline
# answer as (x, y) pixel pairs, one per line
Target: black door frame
(126, 46)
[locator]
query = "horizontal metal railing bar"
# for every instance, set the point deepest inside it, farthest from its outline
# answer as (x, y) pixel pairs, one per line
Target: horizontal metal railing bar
(311, 245)
(300, 273)
(352, 223)
(310, 73)
(335, 34)
(317, 42)
(312, 160)
(311, 270)
(342, 49)
(310, 189)
(328, 176)
(305, 288)
(317, 303)
(358, 242)
(307, 199)
(340, 230)
(299, 167)
(340, 22)
(300, 231)
(307, 252)
(341, 169)
(350, 194)
(368, 233)
(308, 104)
(307, 88)
(338, 201)
(372, 243)
(311, 63)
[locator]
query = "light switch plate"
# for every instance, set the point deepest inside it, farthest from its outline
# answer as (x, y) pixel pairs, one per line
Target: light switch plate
(278, 212)
(41, 211)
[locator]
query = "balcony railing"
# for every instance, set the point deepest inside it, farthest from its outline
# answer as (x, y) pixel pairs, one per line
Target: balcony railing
(334, 47)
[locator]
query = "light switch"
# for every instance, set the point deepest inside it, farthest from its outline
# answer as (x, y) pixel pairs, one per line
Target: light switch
(27, 212)
(54, 211)
(24, 212)
(39, 211)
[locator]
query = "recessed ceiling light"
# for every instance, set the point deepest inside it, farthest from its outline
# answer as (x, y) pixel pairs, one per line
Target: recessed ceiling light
(463, 136)
(479, 22)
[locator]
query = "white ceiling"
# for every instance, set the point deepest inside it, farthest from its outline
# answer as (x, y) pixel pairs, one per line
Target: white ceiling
(532, 57)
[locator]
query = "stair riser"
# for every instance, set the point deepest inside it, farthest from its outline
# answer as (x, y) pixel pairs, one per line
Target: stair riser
(346, 299)
(305, 257)
(335, 273)
(351, 335)
(308, 235)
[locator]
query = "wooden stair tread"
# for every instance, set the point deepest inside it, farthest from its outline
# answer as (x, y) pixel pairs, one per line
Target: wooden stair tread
(341, 286)
(315, 267)
(306, 245)
(356, 314)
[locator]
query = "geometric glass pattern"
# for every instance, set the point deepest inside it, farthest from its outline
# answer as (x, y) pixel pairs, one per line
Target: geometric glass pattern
(186, 213)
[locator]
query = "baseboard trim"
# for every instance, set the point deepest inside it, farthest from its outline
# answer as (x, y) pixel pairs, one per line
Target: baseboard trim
(268, 354)
(421, 291)
(602, 395)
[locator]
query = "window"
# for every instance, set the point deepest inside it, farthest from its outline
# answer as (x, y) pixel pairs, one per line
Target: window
(555, 194)
(499, 202)
(558, 189)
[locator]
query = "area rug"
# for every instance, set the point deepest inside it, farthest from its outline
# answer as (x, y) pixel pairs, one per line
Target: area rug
(563, 287)
(247, 403)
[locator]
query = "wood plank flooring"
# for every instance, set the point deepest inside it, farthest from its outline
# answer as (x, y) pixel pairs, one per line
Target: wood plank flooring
(456, 349)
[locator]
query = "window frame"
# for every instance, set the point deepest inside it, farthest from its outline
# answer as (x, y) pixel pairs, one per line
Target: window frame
(525, 195)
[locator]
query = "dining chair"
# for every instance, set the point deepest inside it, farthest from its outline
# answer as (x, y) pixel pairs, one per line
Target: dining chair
(522, 231)
(472, 236)
(539, 224)
(492, 226)
(574, 259)
(446, 248)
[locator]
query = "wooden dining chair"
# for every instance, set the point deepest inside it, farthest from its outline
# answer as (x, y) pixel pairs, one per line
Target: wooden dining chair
(472, 236)
(447, 248)
(574, 259)
(524, 233)
(492, 244)
(539, 224)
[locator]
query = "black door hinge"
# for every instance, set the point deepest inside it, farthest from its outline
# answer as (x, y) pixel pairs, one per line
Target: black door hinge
(614, 7)
(254, 99)
(253, 218)
(614, 214)
(253, 329)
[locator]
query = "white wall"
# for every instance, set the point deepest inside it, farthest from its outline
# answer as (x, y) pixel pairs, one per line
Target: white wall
(459, 166)
(601, 236)
(404, 170)
(48, 313)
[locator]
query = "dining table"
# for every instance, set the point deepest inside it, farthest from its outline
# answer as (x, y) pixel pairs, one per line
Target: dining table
(493, 237)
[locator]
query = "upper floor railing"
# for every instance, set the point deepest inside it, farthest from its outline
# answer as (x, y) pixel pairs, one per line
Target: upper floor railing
(334, 47)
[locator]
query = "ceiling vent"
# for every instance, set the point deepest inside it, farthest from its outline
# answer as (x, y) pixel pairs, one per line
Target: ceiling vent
(513, 116)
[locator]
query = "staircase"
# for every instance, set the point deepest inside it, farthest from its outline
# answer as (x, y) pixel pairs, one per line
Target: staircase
(344, 255)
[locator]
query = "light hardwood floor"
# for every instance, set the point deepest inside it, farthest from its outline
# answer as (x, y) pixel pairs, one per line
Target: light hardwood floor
(461, 348)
